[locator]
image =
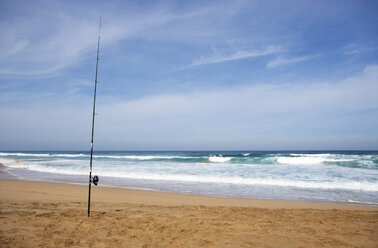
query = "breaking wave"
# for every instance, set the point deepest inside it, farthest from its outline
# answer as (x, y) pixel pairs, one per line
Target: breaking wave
(219, 159)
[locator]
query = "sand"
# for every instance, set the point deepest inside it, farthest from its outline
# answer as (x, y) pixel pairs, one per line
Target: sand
(38, 214)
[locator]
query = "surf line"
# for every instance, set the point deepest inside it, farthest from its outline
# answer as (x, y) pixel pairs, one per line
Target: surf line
(95, 178)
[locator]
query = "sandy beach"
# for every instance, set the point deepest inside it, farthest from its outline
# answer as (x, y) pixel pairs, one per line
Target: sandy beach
(39, 214)
(216, 124)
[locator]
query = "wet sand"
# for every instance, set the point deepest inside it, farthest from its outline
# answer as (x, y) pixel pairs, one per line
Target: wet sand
(38, 214)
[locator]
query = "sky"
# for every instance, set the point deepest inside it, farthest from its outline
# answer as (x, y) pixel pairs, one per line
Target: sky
(189, 75)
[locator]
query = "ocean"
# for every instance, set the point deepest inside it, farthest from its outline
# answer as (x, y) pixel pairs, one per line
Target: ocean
(324, 176)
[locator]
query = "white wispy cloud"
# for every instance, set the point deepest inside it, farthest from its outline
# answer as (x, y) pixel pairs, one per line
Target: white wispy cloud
(219, 57)
(280, 60)
(357, 49)
(47, 43)
(259, 116)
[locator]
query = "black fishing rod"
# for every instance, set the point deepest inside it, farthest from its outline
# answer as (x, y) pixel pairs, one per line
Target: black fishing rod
(94, 179)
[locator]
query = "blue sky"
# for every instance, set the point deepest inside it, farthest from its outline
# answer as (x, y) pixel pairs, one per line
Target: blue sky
(189, 75)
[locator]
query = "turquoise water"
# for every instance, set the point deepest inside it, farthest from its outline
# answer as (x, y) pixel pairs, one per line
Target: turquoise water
(329, 176)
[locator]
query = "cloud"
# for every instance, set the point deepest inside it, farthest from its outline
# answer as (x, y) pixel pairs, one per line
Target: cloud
(352, 94)
(279, 61)
(242, 54)
(358, 49)
(259, 116)
(43, 43)
(264, 116)
(38, 53)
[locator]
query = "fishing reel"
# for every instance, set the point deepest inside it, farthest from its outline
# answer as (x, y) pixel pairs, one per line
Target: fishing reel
(95, 180)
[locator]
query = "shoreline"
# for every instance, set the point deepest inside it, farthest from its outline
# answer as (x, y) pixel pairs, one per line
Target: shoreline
(208, 199)
(203, 199)
(44, 214)
(235, 175)
(13, 190)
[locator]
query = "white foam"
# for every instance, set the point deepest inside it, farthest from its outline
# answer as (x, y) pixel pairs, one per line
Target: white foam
(70, 155)
(311, 155)
(7, 161)
(40, 167)
(24, 154)
(343, 185)
(311, 159)
(12, 163)
(219, 159)
(300, 160)
(137, 157)
(362, 202)
(20, 154)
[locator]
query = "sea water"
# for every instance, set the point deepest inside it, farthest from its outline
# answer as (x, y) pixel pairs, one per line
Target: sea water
(327, 176)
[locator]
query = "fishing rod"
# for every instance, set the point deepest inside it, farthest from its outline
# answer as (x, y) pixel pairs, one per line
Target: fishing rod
(94, 179)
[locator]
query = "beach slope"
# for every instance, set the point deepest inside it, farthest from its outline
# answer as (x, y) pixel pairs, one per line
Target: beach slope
(36, 214)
